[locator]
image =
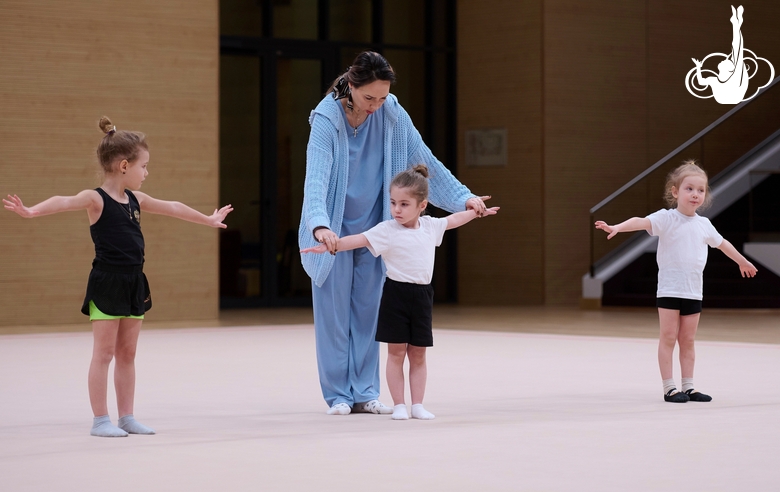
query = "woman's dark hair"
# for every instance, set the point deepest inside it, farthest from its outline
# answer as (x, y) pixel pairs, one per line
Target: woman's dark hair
(368, 67)
(118, 144)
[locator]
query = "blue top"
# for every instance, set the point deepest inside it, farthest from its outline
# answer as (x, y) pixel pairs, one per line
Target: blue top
(363, 205)
(327, 173)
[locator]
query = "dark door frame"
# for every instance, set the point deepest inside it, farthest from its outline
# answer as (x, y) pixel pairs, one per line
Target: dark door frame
(269, 49)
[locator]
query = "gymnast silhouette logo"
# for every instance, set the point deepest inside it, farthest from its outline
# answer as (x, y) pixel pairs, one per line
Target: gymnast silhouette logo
(735, 70)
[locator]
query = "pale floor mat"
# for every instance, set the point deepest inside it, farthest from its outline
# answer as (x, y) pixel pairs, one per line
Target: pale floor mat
(239, 408)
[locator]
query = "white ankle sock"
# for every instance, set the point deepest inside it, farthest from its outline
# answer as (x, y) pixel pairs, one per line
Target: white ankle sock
(339, 409)
(129, 424)
(102, 427)
(399, 412)
(419, 412)
(687, 384)
(669, 385)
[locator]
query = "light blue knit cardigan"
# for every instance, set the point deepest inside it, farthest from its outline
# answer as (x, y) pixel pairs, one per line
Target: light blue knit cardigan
(327, 163)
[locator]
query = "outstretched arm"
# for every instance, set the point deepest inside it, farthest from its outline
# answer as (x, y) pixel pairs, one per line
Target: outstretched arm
(461, 218)
(632, 224)
(345, 243)
(182, 211)
(84, 200)
(745, 267)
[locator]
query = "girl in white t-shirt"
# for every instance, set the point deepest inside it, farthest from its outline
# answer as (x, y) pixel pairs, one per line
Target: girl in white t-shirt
(407, 244)
(683, 237)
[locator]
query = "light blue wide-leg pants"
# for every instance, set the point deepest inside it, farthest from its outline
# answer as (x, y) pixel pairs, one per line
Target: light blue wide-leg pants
(345, 315)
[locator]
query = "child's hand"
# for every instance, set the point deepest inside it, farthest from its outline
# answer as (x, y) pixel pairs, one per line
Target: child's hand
(320, 248)
(611, 230)
(748, 270)
(696, 62)
(215, 219)
(14, 204)
(490, 211)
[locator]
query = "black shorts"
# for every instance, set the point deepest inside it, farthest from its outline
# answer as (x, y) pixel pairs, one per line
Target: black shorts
(405, 314)
(685, 306)
(118, 290)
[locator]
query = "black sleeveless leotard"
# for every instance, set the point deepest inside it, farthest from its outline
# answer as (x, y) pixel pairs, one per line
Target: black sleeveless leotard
(117, 284)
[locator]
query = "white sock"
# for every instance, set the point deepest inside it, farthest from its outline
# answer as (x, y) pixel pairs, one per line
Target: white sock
(687, 384)
(129, 424)
(419, 412)
(399, 412)
(339, 409)
(102, 427)
(669, 385)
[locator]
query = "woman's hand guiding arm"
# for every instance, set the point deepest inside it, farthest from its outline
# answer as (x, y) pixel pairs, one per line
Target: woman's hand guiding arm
(328, 238)
(477, 204)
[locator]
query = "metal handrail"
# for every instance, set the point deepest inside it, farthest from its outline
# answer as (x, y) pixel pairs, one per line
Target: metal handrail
(676, 151)
(699, 137)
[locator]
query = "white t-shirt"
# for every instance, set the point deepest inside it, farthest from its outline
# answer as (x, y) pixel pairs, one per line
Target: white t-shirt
(682, 252)
(408, 253)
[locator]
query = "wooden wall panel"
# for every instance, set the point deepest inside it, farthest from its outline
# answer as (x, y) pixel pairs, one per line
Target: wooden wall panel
(150, 66)
(594, 125)
(500, 86)
(590, 94)
(679, 31)
(615, 103)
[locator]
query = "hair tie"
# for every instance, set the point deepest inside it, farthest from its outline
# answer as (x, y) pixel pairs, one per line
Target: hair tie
(111, 131)
(341, 90)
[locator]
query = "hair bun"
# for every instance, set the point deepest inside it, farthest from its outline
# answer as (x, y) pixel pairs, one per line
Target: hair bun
(421, 169)
(106, 126)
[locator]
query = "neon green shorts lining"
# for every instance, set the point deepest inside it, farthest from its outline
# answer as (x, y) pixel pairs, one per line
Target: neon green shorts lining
(96, 314)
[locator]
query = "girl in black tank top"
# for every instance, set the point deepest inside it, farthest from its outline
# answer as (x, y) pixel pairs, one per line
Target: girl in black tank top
(117, 291)
(117, 285)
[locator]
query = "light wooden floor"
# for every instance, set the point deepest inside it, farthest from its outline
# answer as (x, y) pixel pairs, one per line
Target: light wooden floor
(528, 405)
(752, 326)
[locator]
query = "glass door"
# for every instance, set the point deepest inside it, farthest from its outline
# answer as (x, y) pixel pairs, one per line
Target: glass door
(239, 176)
(298, 92)
(265, 102)
(277, 59)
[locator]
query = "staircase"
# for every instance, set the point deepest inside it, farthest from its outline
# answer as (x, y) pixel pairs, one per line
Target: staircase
(746, 192)
(635, 285)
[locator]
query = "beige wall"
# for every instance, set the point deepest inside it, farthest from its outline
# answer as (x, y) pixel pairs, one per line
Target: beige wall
(501, 258)
(594, 125)
(151, 66)
(591, 94)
